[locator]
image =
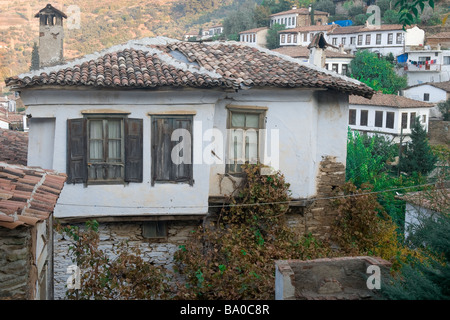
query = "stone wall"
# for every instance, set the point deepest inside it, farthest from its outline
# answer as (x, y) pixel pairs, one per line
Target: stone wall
(318, 216)
(158, 251)
(344, 278)
(15, 263)
(439, 132)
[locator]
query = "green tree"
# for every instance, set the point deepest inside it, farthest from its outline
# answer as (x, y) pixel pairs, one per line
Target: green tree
(239, 20)
(34, 58)
(425, 279)
(326, 6)
(418, 157)
(411, 10)
(273, 38)
(444, 108)
(376, 72)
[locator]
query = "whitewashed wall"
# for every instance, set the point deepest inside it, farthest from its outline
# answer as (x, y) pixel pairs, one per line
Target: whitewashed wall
(417, 93)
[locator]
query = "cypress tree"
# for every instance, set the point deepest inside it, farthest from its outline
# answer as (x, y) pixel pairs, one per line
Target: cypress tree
(34, 58)
(418, 156)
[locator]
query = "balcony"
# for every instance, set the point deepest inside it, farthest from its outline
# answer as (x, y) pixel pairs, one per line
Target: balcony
(409, 67)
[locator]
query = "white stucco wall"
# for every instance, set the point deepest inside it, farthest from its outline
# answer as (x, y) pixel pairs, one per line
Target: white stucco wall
(4, 124)
(397, 120)
(417, 93)
(311, 125)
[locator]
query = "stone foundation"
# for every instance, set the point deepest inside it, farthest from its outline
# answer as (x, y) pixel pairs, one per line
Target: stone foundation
(15, 263)
(319, 215)
(158, 251)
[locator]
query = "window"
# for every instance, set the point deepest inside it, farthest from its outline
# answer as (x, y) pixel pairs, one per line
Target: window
(404, 120)
(289, 38)
(424, 119)
(390, 116)
(295, 38)
(335, 67)
(311, 36)
(378, 39)
(343, 40)
(399, 38)
(426, 97)
(305, 37)
(104, 149)
(360, 38)
(254, 37)
(243, 146)
(364, 117)
(172, 149)
(367, 39)
(334, 41)
(326, 66)
(379, 119)
(289, 21)
(390, 38)
(154, 229)
(446, 59)
(352, 40)
(412, 119)
(352, 116)
(283, 38)
(344, 69)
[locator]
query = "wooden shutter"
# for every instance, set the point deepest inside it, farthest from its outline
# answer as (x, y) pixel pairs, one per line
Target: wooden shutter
(76, 151)
(133, 150)
(163, 168)
(183, 171)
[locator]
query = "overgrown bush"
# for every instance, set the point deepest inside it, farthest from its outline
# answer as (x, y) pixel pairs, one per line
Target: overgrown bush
(364, 228)
(234, 257)
(121, 274)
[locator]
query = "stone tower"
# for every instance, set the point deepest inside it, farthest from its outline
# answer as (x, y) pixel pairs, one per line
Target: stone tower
(51, 36)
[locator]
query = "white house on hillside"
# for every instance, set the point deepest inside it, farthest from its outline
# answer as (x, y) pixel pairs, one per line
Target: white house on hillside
(256, 36)
(151, 132)
(388, 115)
(302, 35)
(433, 92)
(425, 64)
(383, 39)
(298, 17)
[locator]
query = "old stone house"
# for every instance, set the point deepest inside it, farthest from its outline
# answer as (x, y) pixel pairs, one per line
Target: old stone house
(27, 199)
(153, 132)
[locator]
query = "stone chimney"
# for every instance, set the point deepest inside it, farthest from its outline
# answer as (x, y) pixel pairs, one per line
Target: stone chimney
(51, 36)
(317, 50)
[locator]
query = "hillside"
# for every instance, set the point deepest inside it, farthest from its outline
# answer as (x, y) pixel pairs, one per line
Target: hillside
(102, 24)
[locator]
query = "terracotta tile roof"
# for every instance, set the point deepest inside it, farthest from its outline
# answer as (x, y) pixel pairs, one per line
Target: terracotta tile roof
(214, 64)
(299, 11)
(444, 85)
(385, 27)
(254, 30)
(27, 194)
(346, 30)
(437, 200)
(327, 27)
(303, 52)
(389, 100)
(13, 146)
(440, 35)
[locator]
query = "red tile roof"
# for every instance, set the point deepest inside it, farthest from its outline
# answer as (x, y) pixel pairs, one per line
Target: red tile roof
(254, 30)
(13, 146)
(299, 11)
(27, 194)
(303, 52)
(389, 100)
(326, 27)
(222, 65)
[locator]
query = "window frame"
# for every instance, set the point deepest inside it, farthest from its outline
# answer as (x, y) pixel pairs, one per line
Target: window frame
(89, 162)
(379, 115)
(390, 123)
(426, 96)
(154, 178)
(404, 120)
(378, 39)
(366, 118)
(261, 111)
(390, 39)
(360, 40)
(352, 117)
